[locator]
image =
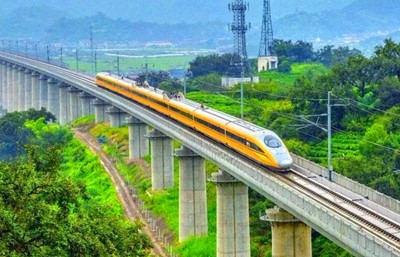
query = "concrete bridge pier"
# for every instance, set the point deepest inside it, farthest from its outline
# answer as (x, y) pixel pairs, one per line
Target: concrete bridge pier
(290, 236)
(138, 143)
(6, 90)
(63, 103)
(192, 194)
(21, 89)
(9, 87)
(87, 108)
(53, 104)
(35, 90)
(100, 110)
(14, 89)
(43, 91)
(2, 86)
(28, 89)
(74, 112)
(233, 232)
(116, 116)
(162, 161)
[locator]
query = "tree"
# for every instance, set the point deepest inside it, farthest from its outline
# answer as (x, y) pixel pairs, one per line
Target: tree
(388, 93)
(219, 64)
(387, 58)
(209, 83)
(300, 51)
(171, 86)
(154, 78)
(45, 213)
(358, 72)
(13, 133)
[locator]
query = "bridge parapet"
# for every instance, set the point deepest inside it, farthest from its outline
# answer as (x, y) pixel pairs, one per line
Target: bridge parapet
(360, 189)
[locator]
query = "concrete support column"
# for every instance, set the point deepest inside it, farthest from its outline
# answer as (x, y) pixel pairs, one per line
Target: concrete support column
(162, 161)
(21, 89)
(290, 237)
(63, 103)
(53, 104)
(28, 89)
(35, 91)
(116, 116)
(73, 103)
(100, 110)
(43, 91)
(2, 75)
(8, 87)
(3, 86)
(233, 232)
(87, 108)
(192, 194)
(138, 143)
(14, 89)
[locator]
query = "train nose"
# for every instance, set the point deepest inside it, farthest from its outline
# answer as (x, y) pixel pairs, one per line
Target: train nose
(286, 163)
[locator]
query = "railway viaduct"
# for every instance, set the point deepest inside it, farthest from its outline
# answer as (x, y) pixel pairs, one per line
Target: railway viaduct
(361, 220)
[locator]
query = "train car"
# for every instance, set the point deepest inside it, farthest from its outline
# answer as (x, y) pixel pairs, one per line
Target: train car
(257, 143)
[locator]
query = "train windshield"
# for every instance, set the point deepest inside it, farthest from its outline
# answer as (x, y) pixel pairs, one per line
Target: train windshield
(272, 142)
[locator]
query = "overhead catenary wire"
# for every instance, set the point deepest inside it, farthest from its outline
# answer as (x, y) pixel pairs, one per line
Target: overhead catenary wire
(296, 117)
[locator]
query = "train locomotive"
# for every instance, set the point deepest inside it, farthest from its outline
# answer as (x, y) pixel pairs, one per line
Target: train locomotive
(257, 143)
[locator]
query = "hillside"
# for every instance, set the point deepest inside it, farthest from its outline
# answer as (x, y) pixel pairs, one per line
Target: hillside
(360, 17)
(174, 11)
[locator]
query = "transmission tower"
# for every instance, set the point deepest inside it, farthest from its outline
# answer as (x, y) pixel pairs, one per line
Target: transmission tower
(239, 29)
(267, 34)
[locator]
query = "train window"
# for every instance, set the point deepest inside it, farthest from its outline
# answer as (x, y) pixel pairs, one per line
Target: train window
(211, 126)
(236, 137)
(272, 142)
(255, 147)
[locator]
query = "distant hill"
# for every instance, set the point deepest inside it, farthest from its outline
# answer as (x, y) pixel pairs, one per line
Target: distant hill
(360, 17)
(198, 23)
(28, 22)
(174, 11)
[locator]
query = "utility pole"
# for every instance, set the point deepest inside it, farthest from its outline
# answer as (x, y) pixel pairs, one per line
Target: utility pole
(61, 56)
(328, 130)
(146, 66)
(48, 54)
(118, 63)
(330, 168)
(241, 93)
(91, 45)
(77, 60)
(95, 62)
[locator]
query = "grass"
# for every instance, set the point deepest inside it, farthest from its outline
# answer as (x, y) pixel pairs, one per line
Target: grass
(297, 70)
(84, 167)
(107, 63)
(163, 203)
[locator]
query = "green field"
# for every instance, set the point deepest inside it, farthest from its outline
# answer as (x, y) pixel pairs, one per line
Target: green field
(109, 63)
(297, 70)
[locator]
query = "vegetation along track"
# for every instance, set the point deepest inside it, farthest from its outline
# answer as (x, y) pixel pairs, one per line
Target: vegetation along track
(370, 220)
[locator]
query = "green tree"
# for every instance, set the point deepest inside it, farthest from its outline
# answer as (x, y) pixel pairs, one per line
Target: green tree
(387, 58)
(209, 83)
(204, 65)
(45, 213)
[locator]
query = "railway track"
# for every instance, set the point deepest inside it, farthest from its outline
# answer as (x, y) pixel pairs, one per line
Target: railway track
(368, 219)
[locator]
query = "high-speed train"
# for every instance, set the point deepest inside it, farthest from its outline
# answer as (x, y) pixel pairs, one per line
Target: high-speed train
(257, 143)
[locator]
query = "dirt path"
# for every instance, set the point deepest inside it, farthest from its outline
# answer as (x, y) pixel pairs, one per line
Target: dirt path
(132, 210)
